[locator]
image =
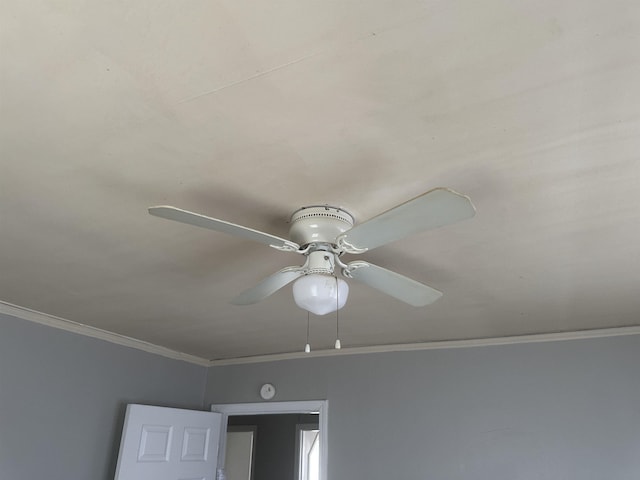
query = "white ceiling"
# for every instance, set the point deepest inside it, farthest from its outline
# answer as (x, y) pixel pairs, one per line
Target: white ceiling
(246, 111)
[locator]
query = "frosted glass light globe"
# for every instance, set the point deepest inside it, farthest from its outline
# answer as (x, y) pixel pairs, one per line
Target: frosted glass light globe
(318, 293)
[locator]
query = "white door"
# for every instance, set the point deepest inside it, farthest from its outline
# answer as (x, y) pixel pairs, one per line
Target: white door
(168, 444)
(238, 458)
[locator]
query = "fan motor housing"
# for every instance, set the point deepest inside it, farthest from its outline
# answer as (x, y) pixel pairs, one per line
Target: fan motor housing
(319, 223)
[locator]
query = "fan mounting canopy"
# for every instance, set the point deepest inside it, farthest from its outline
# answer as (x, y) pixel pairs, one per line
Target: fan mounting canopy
(319, 223)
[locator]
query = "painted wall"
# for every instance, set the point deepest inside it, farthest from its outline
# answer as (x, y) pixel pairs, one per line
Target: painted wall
(63, 398)
(558, 410)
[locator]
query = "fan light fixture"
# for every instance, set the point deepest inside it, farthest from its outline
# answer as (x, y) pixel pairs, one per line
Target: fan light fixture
(320, 294)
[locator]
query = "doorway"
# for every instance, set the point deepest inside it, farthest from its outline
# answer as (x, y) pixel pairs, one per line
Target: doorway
(264, 447)
(309, 427)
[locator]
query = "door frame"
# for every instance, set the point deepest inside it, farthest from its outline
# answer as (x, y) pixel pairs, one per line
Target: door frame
(320, 407)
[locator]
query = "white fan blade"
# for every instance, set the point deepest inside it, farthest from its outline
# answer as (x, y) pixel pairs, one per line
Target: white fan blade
(268, 286)
(173, 213)
(392, 283)
(432, 209)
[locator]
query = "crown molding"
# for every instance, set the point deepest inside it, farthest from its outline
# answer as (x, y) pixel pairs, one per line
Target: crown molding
(88, 331)
(81, 329)
(444, 344)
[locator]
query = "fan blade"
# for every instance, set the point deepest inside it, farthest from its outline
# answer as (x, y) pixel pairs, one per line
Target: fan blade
(432, 209)
(392, 283)
(268, 286)
(173, 213)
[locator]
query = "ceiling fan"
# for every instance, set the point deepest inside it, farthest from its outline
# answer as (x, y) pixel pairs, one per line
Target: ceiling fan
(324, 233)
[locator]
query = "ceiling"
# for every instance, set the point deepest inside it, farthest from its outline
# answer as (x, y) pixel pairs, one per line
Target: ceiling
(246, 111)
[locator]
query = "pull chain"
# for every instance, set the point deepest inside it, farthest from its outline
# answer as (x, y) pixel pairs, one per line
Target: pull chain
(337, 345)
(307, 347)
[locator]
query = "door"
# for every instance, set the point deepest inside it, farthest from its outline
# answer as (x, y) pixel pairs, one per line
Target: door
(239, 455)
(308, 452)
(168, 444)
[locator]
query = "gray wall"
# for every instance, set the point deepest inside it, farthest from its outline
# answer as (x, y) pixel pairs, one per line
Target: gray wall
(63, 398)
(562, 410)
(559, 410)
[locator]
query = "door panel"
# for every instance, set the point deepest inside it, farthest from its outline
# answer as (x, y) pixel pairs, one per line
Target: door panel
(168, 444)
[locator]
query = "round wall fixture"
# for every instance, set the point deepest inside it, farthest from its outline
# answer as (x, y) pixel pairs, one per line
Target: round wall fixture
(267, 391)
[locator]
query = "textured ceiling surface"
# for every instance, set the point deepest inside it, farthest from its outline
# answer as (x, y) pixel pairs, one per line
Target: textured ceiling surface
(246, 111)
